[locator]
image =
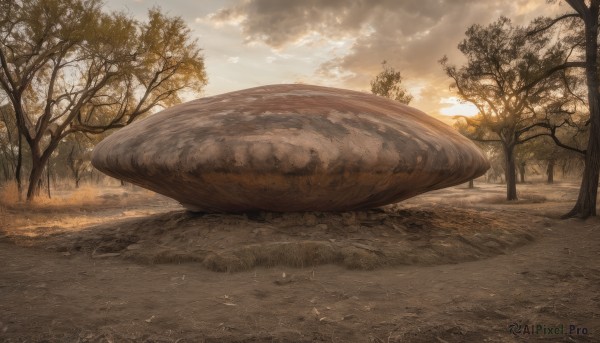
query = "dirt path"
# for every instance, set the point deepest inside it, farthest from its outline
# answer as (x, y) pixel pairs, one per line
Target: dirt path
(555, 280)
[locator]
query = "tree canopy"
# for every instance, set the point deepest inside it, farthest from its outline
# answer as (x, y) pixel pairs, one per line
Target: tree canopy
(502, 62)
(388, 83)
(67, 66)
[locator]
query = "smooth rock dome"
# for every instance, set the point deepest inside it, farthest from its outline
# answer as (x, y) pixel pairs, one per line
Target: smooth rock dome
(289, 148)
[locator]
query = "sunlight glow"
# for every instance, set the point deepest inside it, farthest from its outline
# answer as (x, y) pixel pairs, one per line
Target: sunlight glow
(454, 107)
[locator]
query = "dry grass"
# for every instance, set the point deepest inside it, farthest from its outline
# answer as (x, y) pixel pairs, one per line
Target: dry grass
(83, 196)
(72, 209)
(9, 193)
(523, 199)
(4, 218)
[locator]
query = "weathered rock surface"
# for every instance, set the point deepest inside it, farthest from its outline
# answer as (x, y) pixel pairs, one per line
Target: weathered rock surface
(289, 148)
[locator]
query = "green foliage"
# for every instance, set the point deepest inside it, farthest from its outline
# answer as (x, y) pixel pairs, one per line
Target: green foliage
(388, 84)
(503, 79)
(502, 62)
(67, 66)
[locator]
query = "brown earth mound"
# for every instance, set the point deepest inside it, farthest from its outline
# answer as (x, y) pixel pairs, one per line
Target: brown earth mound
(356, 240)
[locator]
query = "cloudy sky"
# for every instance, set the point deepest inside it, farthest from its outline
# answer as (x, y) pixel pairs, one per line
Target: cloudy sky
(337, 43)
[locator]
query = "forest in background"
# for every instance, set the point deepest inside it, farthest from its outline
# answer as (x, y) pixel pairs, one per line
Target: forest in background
(70, 73)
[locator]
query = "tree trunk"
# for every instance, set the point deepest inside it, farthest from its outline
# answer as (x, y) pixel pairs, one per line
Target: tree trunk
(510, 172)
(588, 192)
(77, 177)
(471, 185)
(586, 201)
(48, 179)
(19, 165)
(39, 186)
(550, 171)
(522, 171)
(37, 169)
(38, 163)
(6, 171)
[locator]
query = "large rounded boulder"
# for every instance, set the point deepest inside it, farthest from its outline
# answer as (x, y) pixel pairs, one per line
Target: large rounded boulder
(289, 148)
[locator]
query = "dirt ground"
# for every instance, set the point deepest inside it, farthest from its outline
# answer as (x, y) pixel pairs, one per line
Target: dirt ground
(455, 265)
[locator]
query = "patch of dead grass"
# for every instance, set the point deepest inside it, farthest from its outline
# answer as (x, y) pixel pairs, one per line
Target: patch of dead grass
(88, 197)
(83, 196)
(9, 193)
(522, 199)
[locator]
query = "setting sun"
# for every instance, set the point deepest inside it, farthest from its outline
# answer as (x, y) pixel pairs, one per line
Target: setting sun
(454, 107)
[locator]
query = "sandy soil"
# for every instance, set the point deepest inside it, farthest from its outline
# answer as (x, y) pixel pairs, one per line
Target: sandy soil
(455, 265)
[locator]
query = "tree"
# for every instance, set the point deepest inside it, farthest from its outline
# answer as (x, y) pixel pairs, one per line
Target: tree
(500, 60)
(8, 143)
(583, 38)
(495, 156)
(551, 155)
(66, 67)
(74, 154)
(388, 84)
(523, 154)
